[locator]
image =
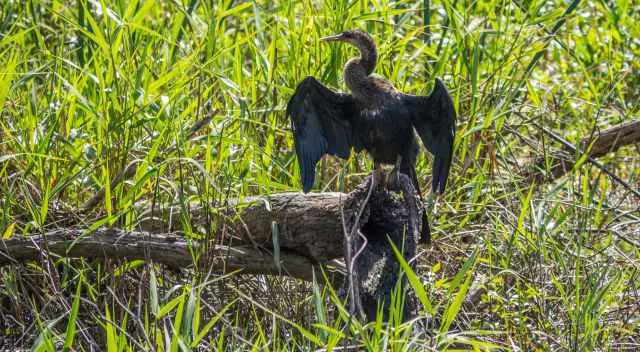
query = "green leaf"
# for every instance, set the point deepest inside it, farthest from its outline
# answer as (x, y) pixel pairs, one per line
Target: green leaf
(73, 316)
(165, 309)
(187, 320)
(454, 307)
(414, 280)
(318, 304)
(8, 232)
(211, 323)
(128, 266)
(153, 292)
(176, 338)
(7, 75)
(237, 9)
(112, 344)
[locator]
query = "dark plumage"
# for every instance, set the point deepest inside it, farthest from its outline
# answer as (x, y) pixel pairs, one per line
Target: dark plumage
(375, 117)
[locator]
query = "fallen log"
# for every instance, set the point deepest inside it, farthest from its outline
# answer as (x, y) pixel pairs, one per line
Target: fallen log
(311, 225)
(309, 229)
(172, 250)
(600, 144)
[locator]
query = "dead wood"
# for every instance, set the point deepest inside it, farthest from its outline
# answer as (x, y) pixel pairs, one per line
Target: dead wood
(309, 229)
(375, 268)
(172, 250)
(602, 143)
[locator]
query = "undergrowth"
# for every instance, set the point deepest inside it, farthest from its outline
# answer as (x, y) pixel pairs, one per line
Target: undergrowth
(89, 87)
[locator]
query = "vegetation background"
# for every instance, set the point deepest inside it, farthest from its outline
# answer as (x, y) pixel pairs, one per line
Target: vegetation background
(88, 87)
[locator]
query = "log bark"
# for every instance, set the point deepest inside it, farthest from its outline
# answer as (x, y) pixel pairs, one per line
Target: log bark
(172, 250)
(611, 139)
(310, 224)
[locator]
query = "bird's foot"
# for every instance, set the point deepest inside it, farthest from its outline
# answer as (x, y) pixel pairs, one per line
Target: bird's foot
(393, 178)
(392, 182)
(377, 177)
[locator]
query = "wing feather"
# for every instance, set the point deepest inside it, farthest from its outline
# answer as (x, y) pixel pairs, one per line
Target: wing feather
(434, 118)
(321, 123)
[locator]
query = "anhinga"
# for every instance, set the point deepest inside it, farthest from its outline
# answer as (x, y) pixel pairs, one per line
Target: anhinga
(375, 117)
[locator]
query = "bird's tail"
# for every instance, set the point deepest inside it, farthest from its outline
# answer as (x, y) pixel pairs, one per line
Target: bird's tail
(425, 233)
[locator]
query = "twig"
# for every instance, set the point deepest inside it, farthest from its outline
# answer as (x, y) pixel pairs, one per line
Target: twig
(353, 288)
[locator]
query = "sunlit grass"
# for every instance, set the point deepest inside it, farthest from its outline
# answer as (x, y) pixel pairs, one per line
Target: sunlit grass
(88, 88)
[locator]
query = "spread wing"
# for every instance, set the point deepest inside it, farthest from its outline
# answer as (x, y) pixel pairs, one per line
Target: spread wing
(321, 123)
(434, 117)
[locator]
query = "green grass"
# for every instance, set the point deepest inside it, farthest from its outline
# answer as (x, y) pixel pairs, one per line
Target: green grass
(90, 87)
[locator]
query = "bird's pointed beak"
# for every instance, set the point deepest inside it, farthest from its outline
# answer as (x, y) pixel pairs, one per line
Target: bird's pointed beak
(333, 38)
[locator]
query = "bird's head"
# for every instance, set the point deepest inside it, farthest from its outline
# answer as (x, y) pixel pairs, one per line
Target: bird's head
(355, 37)
(368, 53)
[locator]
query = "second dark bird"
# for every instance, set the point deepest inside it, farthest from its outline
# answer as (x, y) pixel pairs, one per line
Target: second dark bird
(375, 117)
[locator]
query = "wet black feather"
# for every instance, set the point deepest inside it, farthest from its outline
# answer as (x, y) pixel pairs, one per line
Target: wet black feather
(321, 123)
(434, 119)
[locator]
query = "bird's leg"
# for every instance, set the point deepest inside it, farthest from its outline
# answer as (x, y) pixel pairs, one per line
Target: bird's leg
(393, 178)
(377, 175)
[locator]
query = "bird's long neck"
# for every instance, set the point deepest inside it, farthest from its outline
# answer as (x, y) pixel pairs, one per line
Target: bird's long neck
(358, 69)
